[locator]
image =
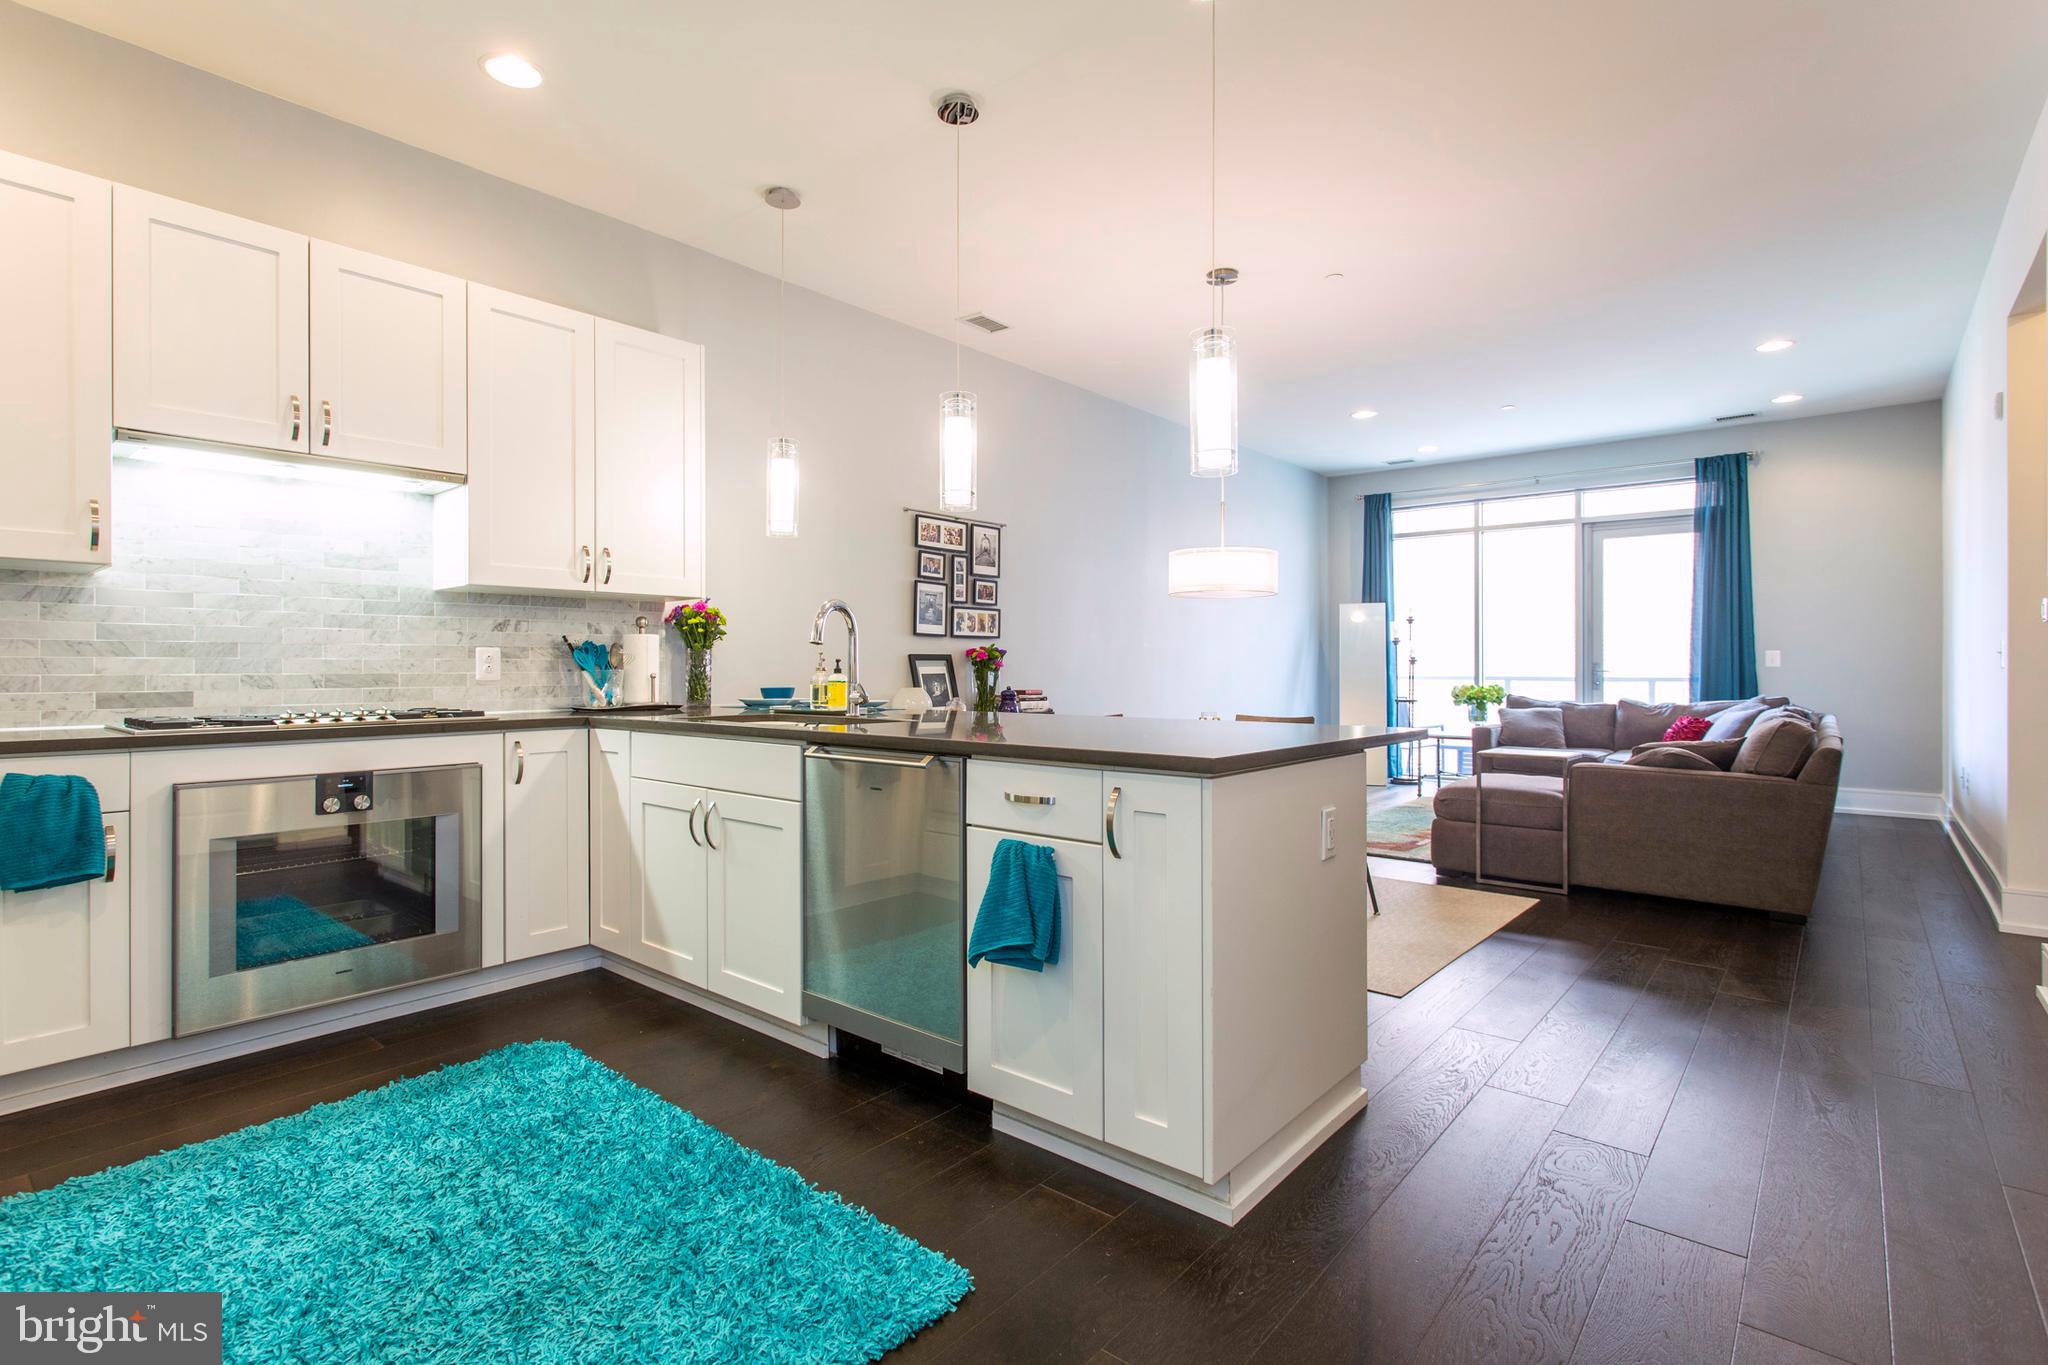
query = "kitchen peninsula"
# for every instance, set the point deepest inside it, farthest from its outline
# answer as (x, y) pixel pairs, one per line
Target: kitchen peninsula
(1201, 1033)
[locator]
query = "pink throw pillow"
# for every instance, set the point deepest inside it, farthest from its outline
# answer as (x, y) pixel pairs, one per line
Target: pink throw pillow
(1687, 728)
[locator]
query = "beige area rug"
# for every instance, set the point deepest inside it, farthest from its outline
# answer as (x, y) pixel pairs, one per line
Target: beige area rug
(1423, 927)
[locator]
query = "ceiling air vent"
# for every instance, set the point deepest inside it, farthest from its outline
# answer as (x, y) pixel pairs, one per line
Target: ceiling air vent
(1736, 417)
(985, 322)
(1391, 464)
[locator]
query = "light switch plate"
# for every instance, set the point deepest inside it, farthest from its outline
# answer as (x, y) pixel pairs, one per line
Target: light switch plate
(489, 667)
(1773, 659)
(1329, 833)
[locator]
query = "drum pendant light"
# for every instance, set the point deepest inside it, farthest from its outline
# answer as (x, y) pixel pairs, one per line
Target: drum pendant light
(959, 433)
(782, 454)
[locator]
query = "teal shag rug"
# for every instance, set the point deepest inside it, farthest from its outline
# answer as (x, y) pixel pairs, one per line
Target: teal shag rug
(531, 1205)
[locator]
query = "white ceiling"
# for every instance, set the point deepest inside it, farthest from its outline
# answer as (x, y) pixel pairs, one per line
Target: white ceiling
(1592, 210)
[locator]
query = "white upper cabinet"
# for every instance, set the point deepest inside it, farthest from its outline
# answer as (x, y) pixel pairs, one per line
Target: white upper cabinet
(56, 384)
(524, 520)
(650, 463)
(209, 325)
(389, 358)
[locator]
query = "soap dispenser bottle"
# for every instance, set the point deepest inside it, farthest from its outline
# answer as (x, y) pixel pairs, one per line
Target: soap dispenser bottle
(820, 688)
(835, 689)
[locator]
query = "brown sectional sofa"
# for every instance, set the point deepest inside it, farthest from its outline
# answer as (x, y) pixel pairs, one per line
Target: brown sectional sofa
(1732, 838)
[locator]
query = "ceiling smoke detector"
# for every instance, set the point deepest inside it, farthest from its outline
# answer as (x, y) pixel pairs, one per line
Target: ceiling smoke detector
(984, 322)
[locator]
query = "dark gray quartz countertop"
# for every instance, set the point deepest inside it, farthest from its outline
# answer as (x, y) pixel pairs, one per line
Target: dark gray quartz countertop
(1201, 748)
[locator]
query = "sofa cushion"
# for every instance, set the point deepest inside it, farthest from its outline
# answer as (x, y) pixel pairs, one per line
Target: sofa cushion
(1719, 752)
(1671, 756)
(1532, 727)
(1640, 722)
(1776, 746)
(1587, 724)
(1734, 723)
(1518, 799)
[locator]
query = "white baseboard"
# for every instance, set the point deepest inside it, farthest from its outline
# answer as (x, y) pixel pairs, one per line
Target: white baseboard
(2015, 909)
(1878, 801)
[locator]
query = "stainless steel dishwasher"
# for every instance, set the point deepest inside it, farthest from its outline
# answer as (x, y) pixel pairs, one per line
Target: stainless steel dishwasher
(885, 901)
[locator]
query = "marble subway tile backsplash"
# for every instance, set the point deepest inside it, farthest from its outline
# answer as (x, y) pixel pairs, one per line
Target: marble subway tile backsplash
(237, 592)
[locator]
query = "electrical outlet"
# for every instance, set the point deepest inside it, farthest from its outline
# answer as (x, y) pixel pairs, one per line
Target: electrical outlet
(489, 667)
(1773, 659)
(1329, 833)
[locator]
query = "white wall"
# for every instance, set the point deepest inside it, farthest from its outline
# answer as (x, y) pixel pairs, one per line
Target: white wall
(1094, 493)
(1845, 545)
(1996, 650)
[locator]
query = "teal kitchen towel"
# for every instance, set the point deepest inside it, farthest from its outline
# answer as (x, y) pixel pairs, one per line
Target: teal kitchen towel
(1018, 924)
(50, 832)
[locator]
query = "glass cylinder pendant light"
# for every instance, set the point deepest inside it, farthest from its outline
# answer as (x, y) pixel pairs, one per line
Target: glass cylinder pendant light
(782, 465)
(1212, 392)
(959, 434)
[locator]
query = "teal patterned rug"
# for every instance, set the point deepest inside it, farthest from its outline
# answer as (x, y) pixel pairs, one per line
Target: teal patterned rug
(1400, 830)
(532, 1205)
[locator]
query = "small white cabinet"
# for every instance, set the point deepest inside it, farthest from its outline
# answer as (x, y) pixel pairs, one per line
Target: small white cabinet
(547, 842)
(209, 325)
(754, 902)
(613, 885)
(670, 858)
(56, 367)
(64, 966)
(389, 360)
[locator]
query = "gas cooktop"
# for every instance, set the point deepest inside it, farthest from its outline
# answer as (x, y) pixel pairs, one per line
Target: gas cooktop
(359, 715)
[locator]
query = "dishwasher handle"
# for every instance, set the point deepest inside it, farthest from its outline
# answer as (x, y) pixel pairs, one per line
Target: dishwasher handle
(847, 756)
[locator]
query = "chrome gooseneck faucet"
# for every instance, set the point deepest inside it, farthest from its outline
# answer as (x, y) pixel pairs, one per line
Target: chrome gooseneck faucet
(856, 695)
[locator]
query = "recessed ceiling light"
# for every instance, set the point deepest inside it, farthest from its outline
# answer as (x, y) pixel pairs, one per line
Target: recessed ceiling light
(1427, 450)
(1788, 398)
(509, 68)
(1334, 275)
(1507, 407)
(1365, 414)
(1774, 345)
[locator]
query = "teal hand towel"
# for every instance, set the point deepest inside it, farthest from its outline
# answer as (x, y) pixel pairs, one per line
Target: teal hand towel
(1018, 924)
(50, 832)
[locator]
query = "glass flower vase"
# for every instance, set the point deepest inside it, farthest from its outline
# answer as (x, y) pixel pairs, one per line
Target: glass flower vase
(697, 687)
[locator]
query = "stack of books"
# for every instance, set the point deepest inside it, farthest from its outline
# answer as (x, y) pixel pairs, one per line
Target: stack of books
(1031, 700)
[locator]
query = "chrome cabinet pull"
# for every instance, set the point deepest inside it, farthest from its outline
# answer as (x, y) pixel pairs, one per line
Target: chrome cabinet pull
(111, 850)
(1109, 822)
(695, 806)
(295, 419)
(607, 563)
(92, 506)
(326, 422)
(713, 843)
(584, 550)
(518, 757)
(1019, 799)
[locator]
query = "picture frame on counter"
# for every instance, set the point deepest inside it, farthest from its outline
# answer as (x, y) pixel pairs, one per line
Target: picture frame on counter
(985, 593)
(977, 623)
(927, 608)
(940, 533)
(933, 675)
(931, 564)
(959, 578)
(985, 547)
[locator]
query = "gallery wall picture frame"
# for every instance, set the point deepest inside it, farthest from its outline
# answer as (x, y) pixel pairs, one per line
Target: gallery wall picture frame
(985, 593)
(977, 623)
(985, 549)
(959, 578)
(933, 675)
(940, 533)
(932, 564)
(927, 608)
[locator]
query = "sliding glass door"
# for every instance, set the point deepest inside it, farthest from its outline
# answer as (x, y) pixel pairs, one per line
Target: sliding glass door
(1638, 607)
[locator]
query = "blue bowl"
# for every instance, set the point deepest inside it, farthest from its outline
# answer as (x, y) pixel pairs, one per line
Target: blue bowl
(778, 693)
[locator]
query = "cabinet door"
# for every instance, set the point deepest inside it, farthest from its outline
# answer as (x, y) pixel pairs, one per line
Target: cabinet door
(547, 841)
(209, 325)
(531, 446)
(669, 849)
(614, 875)
(756, 902)
(1152, 1014)
(56, 366)
(64, 967)
(650, 463)
(1034, 1039)
(389, 360)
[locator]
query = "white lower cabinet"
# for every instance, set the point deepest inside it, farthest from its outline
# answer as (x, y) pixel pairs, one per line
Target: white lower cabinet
(1034, 1039)
(669, 859)
(64, 967)
(547, 842)
(614, 889)
(754, 902)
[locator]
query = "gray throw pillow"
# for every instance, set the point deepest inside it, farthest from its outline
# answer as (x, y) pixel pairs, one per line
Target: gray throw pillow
(1532, 727)
(1671, 756)
(1641, 722)
(1776, 746)
(1720, 752)
(1587, 724)
(1734, 723)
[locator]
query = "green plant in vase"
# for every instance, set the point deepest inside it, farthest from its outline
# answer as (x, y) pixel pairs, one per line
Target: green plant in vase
(987, 662)
(1476, 697)
(701, 625)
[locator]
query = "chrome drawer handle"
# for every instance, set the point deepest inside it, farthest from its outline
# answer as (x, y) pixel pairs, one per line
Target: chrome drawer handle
(1109, 822)
(93, 538)
(111, 842)
(695, 806)
(295, 419)
(713, 843)
(1018, 799)
(326, 422)
(519, 756)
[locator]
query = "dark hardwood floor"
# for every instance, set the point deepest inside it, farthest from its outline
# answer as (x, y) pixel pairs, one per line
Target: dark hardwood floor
(1619, 1130)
